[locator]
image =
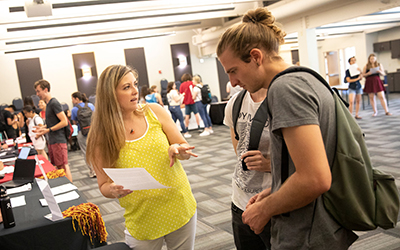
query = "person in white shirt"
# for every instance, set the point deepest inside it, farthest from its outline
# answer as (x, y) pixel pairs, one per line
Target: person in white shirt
(202, 108)
(39, 142)
(175, 100)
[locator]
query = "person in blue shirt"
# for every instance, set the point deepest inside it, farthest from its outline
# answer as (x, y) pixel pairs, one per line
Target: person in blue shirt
(80, 99)
(154, 96)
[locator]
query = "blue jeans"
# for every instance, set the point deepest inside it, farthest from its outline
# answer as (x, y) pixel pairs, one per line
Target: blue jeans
(244, 237)
(176, 114)
(202, 108)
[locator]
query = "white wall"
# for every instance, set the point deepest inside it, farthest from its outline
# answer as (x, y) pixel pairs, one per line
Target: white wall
(57, 65)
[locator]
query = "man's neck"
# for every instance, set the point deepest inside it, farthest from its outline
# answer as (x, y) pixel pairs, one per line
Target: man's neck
(273, 69)
(259, 95)
(47, 98)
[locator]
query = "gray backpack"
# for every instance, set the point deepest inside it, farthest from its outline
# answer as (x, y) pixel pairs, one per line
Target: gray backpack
(84, 118)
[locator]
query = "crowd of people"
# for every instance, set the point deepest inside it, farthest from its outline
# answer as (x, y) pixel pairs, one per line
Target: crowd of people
(129, 129)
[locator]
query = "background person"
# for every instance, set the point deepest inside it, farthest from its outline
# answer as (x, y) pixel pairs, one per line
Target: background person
(154, 96)
(232, 90)
(175, 99)
(301, 114)
(80, 99)
(56, 120)
(124, 134)
(202, 108)
(33, 120)
(187, 88)
(246, 184)
(42, 105)
(374, 84)
(355, 90)
(9, 121)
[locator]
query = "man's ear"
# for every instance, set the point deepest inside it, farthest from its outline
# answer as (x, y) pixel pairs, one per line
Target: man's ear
(256, 56)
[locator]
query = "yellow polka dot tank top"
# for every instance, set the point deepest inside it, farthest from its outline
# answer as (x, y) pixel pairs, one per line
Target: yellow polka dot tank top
(151, 214)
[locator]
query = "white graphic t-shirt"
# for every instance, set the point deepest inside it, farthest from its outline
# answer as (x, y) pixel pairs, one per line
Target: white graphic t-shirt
(245, 184)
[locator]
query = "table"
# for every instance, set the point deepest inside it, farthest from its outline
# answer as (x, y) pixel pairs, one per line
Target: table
(47, 166)
(33, 231)
(217, 112)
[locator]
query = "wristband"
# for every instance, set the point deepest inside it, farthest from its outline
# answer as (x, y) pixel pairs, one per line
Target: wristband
(50, 130)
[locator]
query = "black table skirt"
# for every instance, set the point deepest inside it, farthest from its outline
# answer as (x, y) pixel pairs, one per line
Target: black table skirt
(217, 113)
(33, 231)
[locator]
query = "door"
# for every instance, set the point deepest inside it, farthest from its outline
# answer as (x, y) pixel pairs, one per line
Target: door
(332, 68)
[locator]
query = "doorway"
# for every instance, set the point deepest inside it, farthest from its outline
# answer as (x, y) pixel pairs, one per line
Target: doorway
(332, 68)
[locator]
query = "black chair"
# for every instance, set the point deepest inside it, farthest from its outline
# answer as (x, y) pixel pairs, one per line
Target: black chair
(214, 99)
(92, 99)
(64, 106)
(164, 85)
(35, 100)
(178, 85)
(3, 106)
(18, 103)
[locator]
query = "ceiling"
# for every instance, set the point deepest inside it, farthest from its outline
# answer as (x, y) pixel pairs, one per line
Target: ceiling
(91, 22)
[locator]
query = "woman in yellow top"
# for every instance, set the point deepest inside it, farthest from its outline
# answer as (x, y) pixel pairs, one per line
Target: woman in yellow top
(124, 134)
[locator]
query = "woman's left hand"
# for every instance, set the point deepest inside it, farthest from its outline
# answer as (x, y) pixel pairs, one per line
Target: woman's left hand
(179, 151)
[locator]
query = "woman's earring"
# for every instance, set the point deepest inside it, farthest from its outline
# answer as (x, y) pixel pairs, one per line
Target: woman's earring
(257, 64)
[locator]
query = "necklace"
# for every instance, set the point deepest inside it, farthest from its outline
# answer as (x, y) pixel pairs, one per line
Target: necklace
(132, 131)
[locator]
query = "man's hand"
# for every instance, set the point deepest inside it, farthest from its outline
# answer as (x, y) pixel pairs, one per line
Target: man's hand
(256, 216)
(40, 130)
(256, 161)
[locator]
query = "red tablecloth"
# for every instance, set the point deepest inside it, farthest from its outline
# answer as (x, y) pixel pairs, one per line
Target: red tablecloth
(47, 166)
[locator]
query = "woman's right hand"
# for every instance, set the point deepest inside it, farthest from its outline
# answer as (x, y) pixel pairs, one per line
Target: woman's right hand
(118, 191)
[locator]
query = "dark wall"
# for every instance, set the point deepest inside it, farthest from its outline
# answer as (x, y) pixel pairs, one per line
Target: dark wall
(180, 50)
(295, 56)
(29, 71)
(136, 59)
(223, 78)
(87, 86)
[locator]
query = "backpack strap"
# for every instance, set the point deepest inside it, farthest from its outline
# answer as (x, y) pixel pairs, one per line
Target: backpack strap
(257, 125)
(236, 110)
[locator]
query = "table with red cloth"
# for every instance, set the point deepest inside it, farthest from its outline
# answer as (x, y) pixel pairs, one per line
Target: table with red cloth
(47, 167)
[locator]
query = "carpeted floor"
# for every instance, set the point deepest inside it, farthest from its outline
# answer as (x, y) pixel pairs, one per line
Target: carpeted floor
(210, 178)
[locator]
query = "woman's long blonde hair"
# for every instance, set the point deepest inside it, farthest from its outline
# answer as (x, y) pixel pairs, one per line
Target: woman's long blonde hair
(107, 132)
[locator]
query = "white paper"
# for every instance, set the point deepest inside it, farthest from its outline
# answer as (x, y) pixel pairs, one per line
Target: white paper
(8, 159)
(50, 200)
(41, 168)
(63, 188)
(374, 70)
(18, 201)
(133, 178)
(7, 170)
(23, 188)
(353, 69)
(62, 198)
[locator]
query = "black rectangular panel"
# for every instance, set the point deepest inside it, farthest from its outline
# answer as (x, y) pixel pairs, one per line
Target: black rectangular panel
(223, 79)
(85, 85)
(29, 71)
(137, 60)
(178, 50)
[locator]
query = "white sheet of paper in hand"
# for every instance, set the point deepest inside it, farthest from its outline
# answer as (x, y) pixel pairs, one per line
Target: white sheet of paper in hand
(353, 69)
(374, 70)
(51, 201)
(133, 178)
